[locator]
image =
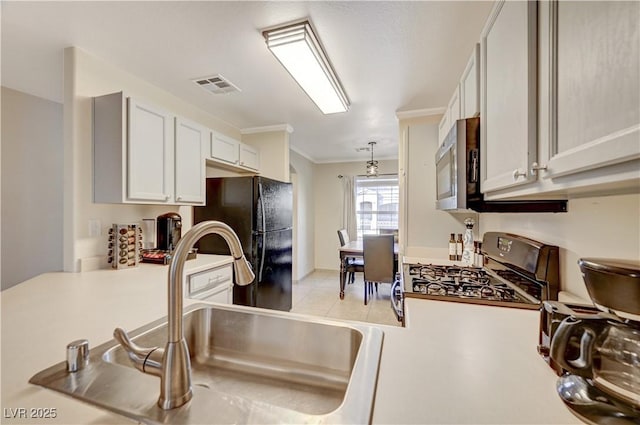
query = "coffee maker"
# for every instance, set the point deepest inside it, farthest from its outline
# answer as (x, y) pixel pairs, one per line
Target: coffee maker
(600, 352)
(169, 231)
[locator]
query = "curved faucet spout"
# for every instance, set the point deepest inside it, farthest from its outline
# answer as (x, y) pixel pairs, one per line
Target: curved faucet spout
(175, 379)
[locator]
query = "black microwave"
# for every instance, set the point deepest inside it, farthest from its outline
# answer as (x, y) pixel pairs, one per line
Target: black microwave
(458, 176)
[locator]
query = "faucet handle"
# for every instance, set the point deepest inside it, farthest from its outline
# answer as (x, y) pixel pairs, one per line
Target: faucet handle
(147, 360)
(77, 355)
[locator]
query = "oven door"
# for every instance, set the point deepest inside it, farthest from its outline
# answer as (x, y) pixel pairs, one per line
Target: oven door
(446, 173)
(397, 301)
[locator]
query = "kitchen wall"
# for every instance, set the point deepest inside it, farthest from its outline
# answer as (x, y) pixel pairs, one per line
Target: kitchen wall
(302, 177)
(328, 206)
(31, 186)
(87, 76)
(274, 152)
(606, 227)
(427, 229)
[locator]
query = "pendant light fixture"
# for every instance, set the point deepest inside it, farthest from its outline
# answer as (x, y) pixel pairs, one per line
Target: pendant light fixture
(372, 166)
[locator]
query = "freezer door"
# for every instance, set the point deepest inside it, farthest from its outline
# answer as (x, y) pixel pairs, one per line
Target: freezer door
(231, 201)
(273, 205)
(273, 270)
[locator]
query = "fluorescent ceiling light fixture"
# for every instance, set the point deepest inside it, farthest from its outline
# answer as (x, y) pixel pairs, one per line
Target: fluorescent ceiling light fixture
(299, 51)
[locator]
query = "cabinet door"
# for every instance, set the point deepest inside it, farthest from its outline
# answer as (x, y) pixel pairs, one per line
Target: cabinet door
(225, 148)
(443, 127)
(249, 157)
(470, 86)
(595, 61)
(190, 172)
(453, 109)
(149, 153)
(508, 93)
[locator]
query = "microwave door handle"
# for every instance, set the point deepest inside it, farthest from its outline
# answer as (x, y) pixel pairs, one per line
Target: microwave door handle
(473, 166)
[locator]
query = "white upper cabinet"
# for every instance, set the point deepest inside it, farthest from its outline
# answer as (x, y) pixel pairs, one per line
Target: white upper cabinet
(508, 93)
(149, 153)
(594, 101)
(144, 155)
(450, 115)
(588, 133)
(225, 148)
(233, 154)
(443, 127)
(190, 176)
(453, 108)
(470, 86)
(249, 157)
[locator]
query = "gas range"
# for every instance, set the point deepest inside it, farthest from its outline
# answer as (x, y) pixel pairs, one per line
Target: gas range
(518, 272)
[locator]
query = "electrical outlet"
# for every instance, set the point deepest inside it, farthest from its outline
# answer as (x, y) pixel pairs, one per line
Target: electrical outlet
(94, 228)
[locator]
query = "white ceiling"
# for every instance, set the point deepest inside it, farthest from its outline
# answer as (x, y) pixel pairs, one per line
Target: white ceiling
(390, 56)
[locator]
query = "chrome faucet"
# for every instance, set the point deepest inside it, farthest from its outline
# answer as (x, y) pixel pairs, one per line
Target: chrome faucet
(172, 364)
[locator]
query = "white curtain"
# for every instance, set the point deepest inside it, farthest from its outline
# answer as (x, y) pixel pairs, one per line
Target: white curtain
(349, 207)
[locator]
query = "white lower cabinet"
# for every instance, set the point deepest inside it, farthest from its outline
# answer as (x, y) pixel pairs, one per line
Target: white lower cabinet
(144, 155)
(213, 285)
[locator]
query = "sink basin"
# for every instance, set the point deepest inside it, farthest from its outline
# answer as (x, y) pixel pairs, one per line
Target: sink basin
(248, 366)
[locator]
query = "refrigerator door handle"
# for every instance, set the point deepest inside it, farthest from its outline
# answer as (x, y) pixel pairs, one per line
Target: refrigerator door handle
(262, 214)
(261, 261)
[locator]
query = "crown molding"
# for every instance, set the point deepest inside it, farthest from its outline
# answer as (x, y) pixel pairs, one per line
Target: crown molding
(416, 113)
(267, 129)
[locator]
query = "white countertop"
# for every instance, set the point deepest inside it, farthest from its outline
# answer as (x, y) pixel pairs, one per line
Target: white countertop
(454, 363)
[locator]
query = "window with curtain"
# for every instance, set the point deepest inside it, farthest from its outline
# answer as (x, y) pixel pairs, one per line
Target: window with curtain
(377, 201)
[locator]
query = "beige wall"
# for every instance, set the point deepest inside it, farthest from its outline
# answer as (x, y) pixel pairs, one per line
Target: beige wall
(85, 77)
(302, 177)
(426, 229)
(31, 186)
(328, 201)
(606, 227)
(274, 153)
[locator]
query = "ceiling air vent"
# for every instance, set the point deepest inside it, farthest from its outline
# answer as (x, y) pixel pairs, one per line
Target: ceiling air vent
(216, 84)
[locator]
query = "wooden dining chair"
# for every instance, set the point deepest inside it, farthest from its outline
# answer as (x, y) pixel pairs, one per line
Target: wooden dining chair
(378, 262)
(353, 265)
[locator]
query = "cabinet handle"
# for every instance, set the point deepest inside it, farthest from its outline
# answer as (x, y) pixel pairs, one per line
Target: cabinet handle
(535, 167)
(179, 198)
(166, 197)
(517, 173)
(236, 161)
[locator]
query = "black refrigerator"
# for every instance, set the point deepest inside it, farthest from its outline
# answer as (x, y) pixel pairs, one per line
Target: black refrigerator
(260, 211)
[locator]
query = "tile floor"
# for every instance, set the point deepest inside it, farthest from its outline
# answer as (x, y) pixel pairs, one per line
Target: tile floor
(318, 295)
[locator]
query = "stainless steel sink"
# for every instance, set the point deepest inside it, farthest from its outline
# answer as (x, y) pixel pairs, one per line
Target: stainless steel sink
(248, 366)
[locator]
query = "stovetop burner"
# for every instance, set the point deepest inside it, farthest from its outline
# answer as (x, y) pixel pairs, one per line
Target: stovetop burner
(518, 272)
(470, 284)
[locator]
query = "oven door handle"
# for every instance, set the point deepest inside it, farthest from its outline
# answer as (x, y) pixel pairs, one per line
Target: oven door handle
(396, 299)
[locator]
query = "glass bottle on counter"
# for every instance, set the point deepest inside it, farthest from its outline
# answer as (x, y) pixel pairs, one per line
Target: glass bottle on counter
(459, 245)
(452, 247)
(467, 250)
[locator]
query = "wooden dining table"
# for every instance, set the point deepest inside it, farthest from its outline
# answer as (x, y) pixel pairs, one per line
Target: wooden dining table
(355, 249)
